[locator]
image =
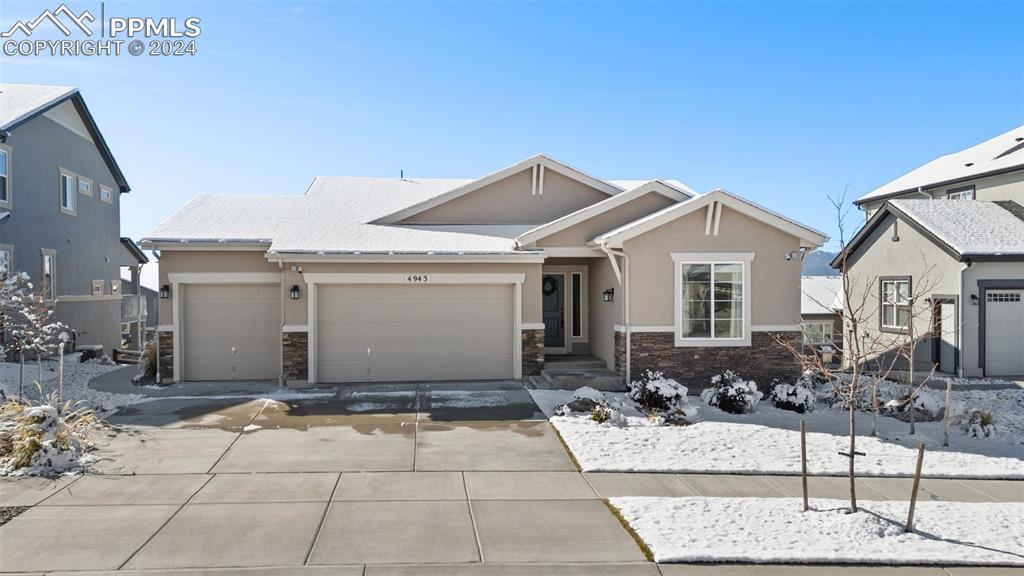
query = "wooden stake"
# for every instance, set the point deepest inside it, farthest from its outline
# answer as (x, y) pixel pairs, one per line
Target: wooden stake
(949, 408)
(803, 461)
(60, 373)
(917, 482)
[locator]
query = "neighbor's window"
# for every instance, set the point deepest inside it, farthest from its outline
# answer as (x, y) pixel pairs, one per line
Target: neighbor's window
(85, 186)
(5, 174)
(895, 311)
(961, 194)
(106, 193)
(712, 300)
(67, 192)
(817, 333)
(48, 285)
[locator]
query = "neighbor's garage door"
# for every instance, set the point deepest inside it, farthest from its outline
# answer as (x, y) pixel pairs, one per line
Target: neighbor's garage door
(1004, 332)
(232, 331)
(414, 332)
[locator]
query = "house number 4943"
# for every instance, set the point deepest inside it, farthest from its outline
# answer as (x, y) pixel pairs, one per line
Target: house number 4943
(417, 278)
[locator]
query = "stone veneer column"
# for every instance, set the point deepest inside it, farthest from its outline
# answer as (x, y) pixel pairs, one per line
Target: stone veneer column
(764, 360)
(533, 352)
(295, 347)
(165, 350)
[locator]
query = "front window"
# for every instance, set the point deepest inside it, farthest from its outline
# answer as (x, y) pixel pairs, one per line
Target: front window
(67, 193)
(5, 172)
(961, 194)
(711, 300)
(48, 284)
(817, 333)
(895, 310)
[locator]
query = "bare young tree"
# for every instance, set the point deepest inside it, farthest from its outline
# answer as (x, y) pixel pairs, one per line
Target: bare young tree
(28, 322)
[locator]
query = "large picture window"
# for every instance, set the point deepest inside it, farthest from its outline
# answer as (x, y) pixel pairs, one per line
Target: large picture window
(712, 300)
(894, 303)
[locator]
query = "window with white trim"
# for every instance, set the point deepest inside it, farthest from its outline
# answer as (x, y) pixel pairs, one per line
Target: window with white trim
(5, 177)
(961, 194)
(817, 333)
(106, 194)
(711, 305)
(48, 278)
(67, 192)
(894, 303)
(84, 186)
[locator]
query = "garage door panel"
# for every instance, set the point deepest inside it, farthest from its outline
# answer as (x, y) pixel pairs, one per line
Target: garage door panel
(399, 332)
(231, 332)
(1004, 333)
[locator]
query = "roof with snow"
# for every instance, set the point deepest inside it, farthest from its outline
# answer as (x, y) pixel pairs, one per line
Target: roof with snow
(821, 294)
(22, 102)
(1000, 154)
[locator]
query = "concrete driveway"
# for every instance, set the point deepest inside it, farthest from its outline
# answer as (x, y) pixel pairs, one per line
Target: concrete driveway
(463, 478)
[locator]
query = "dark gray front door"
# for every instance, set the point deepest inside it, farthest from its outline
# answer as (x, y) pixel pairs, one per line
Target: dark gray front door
(553, 293)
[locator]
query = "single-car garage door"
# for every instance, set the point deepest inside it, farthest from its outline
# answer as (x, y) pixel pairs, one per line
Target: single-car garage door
(1004, 332)
(231, 331)
(391, 333)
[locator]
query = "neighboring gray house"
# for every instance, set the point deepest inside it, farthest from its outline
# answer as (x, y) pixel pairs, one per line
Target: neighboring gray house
(821, 306)
(60, 190)
(954, 227)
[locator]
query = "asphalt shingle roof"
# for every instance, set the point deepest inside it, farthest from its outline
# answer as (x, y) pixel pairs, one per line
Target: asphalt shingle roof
(971, 227)
(19, 101)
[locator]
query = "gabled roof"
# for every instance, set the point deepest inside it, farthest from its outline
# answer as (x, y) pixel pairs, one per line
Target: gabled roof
(540, 159)
(19, 103)
(964, 229)
(809, 236)
(583, 214)
(821, 294)
(134, 250)
(1004, 153)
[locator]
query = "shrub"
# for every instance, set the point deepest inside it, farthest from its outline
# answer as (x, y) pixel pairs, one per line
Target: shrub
(655, 393)
(601, 413)
(929, 406)
(44, 438)
(794, 397)
(732, 394)
(979, 424)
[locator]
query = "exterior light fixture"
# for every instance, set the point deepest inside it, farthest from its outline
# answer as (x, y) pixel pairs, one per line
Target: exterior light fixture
(296, 292)
(609, 295)
(974, 299)
(165, 291)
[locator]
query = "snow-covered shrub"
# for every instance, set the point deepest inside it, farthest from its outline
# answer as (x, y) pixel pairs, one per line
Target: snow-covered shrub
(929, 406)
(45, 438)
(794, 397)
(732, 394)
(655, 393)
(979, 424)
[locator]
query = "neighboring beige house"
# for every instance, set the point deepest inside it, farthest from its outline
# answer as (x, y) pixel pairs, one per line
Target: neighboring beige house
(399, 279)
(954, 227)
(821, 314)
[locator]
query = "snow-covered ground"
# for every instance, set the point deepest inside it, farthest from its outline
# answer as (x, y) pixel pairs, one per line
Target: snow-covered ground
(768, 440)
(75, 387)
(777, 530)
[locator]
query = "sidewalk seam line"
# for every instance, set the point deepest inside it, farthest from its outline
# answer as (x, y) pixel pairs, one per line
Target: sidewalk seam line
(323, 518)
(472, 519)
(163, 525)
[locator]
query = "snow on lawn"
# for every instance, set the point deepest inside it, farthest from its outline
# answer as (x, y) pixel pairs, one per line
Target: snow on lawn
(768, 441)
(75, 386)
(776, 530)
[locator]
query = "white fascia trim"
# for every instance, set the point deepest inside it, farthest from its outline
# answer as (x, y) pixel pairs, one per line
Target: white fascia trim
(809, 236)
(778, 327)
(207, 245)
(584, 214)
(546, 162)
(295, 328)
(224, 278)
(621, 328)
(533, 325)
(574, 252)
(744, 258)
(400, 278)
(534, 257)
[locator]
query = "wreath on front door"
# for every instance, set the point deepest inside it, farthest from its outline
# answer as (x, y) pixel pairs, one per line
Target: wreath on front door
(548, 287)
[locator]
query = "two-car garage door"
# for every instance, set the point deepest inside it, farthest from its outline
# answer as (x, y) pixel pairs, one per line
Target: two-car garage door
(1004, 332)
(399, 332)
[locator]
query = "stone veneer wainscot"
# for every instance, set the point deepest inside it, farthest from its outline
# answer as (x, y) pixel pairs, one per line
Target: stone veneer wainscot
(533, 352)
(295, 352)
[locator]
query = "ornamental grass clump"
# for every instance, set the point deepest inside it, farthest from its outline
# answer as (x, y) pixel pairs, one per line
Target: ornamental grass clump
(45, 438)
(979, 424)
(731, 393)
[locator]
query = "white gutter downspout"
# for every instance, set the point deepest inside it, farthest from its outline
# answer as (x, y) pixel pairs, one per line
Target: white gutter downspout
(281, 378)
(623, 277)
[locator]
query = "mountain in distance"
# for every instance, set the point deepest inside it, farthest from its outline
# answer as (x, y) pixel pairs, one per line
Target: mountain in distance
(817, 264)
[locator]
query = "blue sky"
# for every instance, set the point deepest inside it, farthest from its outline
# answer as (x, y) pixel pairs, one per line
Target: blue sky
(783, 103)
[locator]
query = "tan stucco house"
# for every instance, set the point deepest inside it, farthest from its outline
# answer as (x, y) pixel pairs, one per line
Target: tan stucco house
(951, 232)
(398, 279)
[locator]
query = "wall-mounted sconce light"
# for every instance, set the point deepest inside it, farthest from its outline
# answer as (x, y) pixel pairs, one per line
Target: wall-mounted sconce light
(296, 292)
(974, 299)
(165, 291)
(609, 295)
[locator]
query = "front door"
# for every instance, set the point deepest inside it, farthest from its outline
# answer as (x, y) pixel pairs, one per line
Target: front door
(947, 337)
(553, 293)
